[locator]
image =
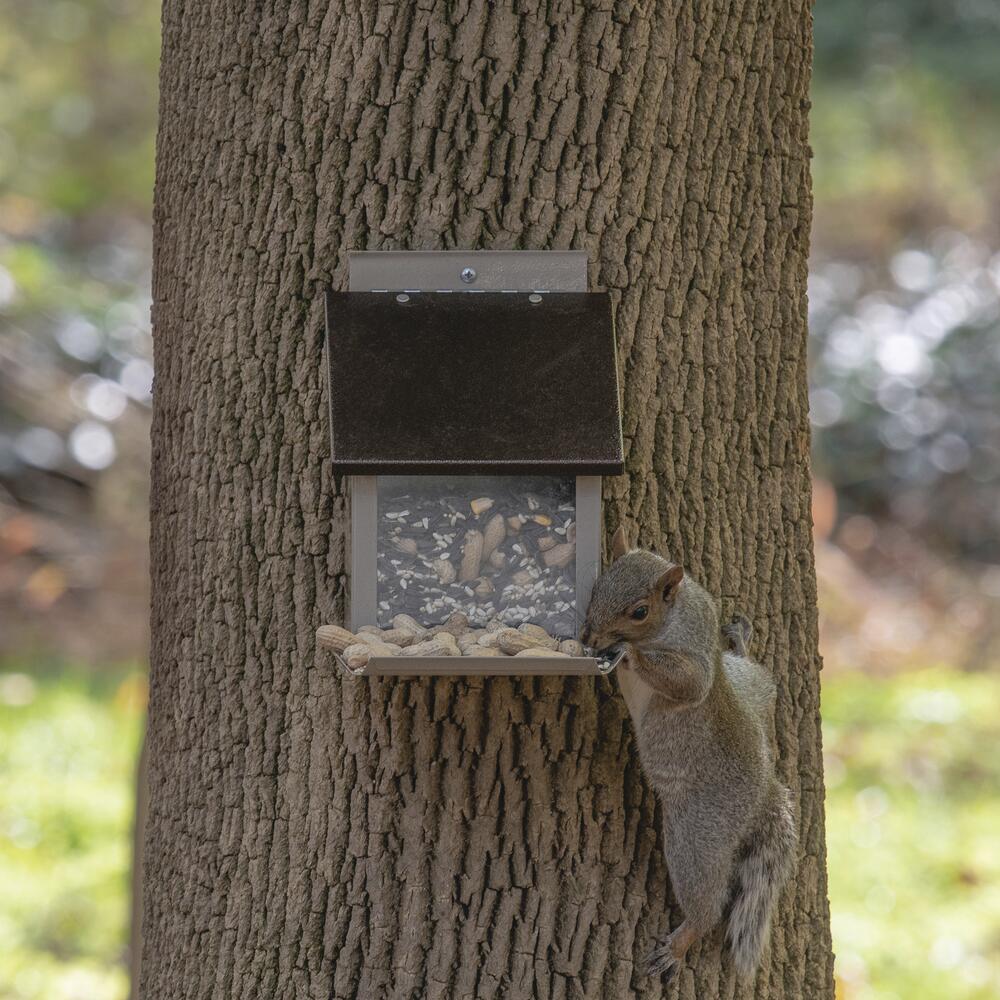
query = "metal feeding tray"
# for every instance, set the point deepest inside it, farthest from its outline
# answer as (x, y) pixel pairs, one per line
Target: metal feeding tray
(482, 666)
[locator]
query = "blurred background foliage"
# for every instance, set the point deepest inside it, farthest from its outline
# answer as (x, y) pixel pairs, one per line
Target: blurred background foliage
(77, 124)
(905, 379)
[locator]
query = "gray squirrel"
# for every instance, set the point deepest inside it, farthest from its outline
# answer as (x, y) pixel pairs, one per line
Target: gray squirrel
(702, 717)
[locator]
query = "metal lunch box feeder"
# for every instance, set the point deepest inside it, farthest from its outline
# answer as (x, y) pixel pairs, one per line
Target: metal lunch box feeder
(474, 405)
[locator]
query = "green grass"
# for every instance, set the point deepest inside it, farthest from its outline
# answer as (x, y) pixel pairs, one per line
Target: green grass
(913, 830)
(913, 834)
(68, 744)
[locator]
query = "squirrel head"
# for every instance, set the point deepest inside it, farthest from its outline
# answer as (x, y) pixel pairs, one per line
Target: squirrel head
(632, 598)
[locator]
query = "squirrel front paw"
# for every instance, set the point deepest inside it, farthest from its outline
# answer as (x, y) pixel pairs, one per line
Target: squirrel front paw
(738, 632)
(628, 660)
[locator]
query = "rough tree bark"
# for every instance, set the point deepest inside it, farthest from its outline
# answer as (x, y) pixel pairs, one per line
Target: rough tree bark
(311, 837)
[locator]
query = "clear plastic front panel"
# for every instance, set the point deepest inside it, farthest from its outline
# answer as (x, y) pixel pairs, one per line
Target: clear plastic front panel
(491, 546)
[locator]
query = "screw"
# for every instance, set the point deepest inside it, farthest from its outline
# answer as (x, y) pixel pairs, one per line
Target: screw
(534, 298)
(402, 297)
(468, 275)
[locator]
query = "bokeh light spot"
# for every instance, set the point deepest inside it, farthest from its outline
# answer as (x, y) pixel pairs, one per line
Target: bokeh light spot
(92, 445)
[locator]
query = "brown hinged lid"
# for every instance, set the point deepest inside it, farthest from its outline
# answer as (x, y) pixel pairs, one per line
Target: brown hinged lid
(473, 382)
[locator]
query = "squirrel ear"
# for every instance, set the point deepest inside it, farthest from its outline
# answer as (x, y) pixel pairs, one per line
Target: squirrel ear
(619, 543)
(669, 581)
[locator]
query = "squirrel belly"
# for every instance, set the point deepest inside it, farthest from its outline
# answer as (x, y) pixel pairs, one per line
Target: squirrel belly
(714, 753)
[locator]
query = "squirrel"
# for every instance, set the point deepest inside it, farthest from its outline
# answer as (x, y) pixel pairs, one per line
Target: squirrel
(703, 717)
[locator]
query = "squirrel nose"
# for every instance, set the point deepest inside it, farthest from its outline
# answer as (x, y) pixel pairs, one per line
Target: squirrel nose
(585, 635)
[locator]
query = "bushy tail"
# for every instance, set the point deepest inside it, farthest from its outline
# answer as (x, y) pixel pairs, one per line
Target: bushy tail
(764, 864)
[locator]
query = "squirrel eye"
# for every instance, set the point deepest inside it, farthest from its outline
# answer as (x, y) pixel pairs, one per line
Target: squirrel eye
(640, 613)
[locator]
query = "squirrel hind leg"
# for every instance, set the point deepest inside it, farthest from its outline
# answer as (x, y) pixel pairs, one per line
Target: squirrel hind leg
(738, 633)
(666, 957)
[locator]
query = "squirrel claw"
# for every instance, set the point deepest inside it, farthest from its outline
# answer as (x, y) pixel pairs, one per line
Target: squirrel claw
(660, 961)
(738, 633)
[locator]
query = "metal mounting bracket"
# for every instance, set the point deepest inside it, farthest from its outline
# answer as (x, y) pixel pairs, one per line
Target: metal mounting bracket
(467, 271)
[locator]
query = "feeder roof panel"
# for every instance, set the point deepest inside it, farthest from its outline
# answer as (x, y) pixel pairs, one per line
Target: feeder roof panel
(473, 382)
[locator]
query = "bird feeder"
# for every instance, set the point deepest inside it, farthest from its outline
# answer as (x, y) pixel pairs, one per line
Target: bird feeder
(474, 406)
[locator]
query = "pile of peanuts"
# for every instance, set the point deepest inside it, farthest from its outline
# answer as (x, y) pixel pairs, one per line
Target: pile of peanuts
(456, 637)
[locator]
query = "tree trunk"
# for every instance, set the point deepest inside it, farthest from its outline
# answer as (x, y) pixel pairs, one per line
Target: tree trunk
(460, 838)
